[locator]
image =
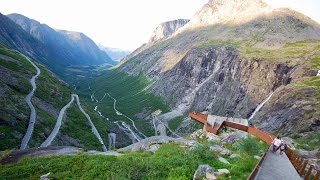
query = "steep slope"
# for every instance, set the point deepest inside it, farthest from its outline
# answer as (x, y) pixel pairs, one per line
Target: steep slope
(14, 36)
(72, 48)
(50, 96)
(165, 29)
(226, 63)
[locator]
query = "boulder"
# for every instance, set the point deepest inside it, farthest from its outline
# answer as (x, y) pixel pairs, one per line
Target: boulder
(45, 176)
(199, 134)
(212, 137)
(153, 148)
(221, 150)
(202, 171)
(234, 155)
(222, 171)
(232, 137)
(223, 160)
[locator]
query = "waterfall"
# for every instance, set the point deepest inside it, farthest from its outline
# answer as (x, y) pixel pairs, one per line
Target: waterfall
(260, 106)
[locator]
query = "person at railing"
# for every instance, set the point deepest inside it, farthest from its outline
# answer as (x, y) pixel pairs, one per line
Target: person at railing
(283, 147)
(276, 143)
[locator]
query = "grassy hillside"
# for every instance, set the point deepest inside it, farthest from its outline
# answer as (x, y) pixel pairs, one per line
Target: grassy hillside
(50, 96)
(170, 162)
(129, 91)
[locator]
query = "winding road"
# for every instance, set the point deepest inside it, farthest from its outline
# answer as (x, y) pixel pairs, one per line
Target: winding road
(121, 114)
(93, 128)
(55, 131)
(33, 114)
(167, 127)
(126, 127)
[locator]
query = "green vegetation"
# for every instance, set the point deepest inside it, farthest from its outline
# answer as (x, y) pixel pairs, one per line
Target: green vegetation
(52, 95)
(250, 146)
(51, 89)
(309, 142)
(43, 126)
(175, 123)
(170, 162)
(77, 127)
(293, 52)
(130, 95)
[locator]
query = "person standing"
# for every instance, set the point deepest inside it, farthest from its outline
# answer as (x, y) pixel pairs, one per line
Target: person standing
(283, 147)
(276, 143)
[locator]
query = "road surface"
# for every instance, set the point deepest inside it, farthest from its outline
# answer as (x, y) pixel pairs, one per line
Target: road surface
(56, 129)
(33, 113)
(121, 114)
(94, 129)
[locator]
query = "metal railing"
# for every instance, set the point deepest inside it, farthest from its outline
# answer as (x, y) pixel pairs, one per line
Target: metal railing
(301, 165)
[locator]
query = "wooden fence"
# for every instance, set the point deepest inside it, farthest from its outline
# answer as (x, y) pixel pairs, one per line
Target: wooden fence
(301, 165)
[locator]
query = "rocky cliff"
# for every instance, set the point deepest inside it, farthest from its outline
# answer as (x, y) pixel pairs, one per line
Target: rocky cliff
(226, 63)
(165, 29)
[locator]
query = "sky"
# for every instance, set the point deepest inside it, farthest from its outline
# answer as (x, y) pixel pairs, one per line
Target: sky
(124, 24)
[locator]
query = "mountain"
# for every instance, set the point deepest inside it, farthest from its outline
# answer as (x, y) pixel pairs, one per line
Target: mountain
(50, 96)
(115, 53)
(230, 57)
(165, 29)
(73, 47)
(14, 36)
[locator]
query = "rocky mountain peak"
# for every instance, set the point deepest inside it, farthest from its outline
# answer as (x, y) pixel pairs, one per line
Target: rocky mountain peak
(231, 11)
(167, 28)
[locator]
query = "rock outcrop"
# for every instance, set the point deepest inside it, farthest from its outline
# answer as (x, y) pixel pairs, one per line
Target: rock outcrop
(220, 62)
(232, 11)
(165, 29)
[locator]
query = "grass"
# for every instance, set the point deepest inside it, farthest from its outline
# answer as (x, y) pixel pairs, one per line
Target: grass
(170, 162)
(77, 127)
(51, 91)
(309, 142)
(175, 123)
(293, 52)
(130, 95)
(249, 146)
(43, 126)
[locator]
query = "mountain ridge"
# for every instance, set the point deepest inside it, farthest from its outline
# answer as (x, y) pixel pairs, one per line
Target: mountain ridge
(81, 50)
(229, 68)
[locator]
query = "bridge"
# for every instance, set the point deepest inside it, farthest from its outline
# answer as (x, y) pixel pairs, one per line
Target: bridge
(271, 165)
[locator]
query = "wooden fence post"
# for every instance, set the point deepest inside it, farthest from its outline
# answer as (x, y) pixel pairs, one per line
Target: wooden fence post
(299, 163)
(295, 160)
(301, 172)
(306, 177)
(317, 177)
